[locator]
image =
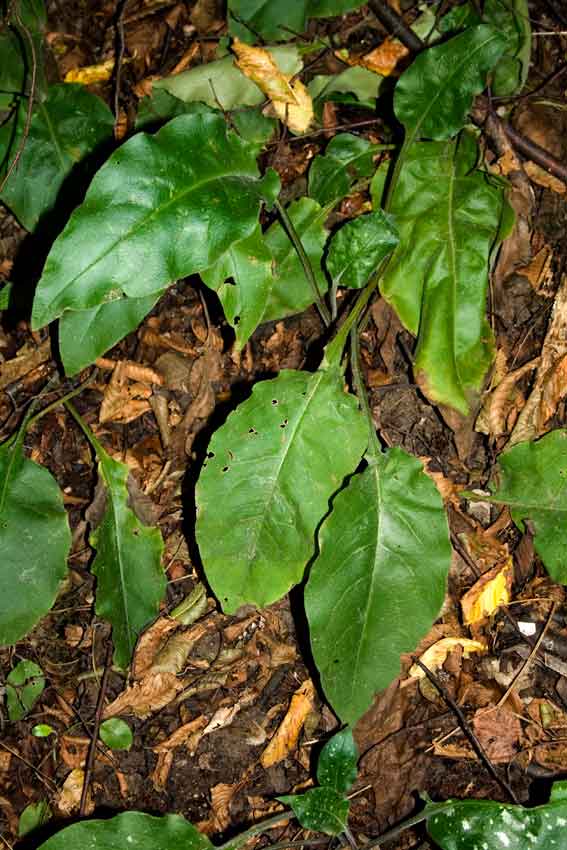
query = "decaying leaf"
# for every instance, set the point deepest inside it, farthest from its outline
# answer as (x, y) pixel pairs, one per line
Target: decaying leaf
(488, 593)
(91, 74)
(69, 798)
(499, 732)
(291, 100)
(187, 735)
(285, 738)
(435, 656)
(143, 698)
(383, 60)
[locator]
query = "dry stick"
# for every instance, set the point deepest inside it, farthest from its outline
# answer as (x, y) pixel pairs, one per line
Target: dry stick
(530, 659)
(526, 147)
(119, 24)
(41, 776)
(93, 744)
(474, 742)
(31, 96)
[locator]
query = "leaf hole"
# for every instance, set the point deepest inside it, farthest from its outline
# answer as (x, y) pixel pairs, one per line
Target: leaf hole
(252, 431)
(230, 454)
(225, 468)
(284, 423)
(210, 454)
(274, 401)
(236, 321)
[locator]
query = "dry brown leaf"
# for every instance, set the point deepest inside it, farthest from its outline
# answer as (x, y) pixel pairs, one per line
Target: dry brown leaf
(149, 644)
(10, 815)
(187, 735)
(538, 271)
(28, 357)
(384, 59)
(543, 178)
(143, 698)
(287, 734)
(499, 732)
(291, 101)
(69, 799)
(488, 593)
(73, 750)
(123, 402)
(221, 798)
(160, 773)
(435, 656)
(5, 760)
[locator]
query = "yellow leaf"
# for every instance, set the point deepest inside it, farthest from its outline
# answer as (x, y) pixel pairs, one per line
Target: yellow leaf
(91, 74)
(286, 736)
(291, 101)
(434, 657)
(488, 593)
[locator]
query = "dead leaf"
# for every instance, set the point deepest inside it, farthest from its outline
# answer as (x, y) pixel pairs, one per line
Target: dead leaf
(291, 100)
(160, 773)
(287, 734)
(143, 698)
(488, 593)
(382, 60)
(73, 750)
(69, 799)
(435, 656)
(28, 357)
(149, 643)
(221, 798)
(187, 736)
(538, 271)
(499, 732)
(124, 402)
(91, 74)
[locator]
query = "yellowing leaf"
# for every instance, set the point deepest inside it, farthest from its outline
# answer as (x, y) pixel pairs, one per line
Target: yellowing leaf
(91, 74)
(491, 590)
(434, 657)
(382, 60)
(286, 736)
(291, 100)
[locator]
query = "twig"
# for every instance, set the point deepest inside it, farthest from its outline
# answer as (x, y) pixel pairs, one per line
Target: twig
(31, 96)
(45, 779)
(396, 26)
(93, 744)
(473, 740)
(530, 659)
(120, 47)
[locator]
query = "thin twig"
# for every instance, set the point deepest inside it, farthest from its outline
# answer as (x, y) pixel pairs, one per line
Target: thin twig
(530, 659)
(120, 48)
(473, 740)
(45, 779)
(93, 744)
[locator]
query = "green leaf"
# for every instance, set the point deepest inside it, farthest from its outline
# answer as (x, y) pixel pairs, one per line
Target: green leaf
(34, 541)
(130, 578)
(33, 816)
(290, 291)
(510, 17)
(532, 480)
(358, 84)
(43, 730)
(162, 207)
(273, 21)
(116, 734)
(6, 295)
(379, 580)
(337, 764)
(319, 809)
(249, 265)
(273, 474)
(86, 334)
(253, 126)
(24, 686)
(221, 84)
(448, 216)
(130, 829)
(70, 124)
(435, 94)
(161, 106)
(346, 159)
(358, 247)
(16, 64)
(496, 826)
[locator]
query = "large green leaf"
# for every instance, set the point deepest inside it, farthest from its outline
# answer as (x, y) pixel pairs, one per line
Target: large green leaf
(24, 686)
(432, 98)
(448, 216)
(275, 21)
(337, 762)
(532, 480)
(86, 334)
(351, 85)
(512, 18)
(130, 578)
(221, 84)
(379, 580)
(473, 824)
(130, 829)
(359, 246)
(16, 54)
(346, 159)
(34, 541)
(162, 207)
(290, 291)
(270, 472)
(243, 279)
(319, 809)
(65, 128)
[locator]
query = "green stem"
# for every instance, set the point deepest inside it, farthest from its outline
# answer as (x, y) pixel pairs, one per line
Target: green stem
(334, 349)
(305, 262)
(397, 830)
(63, 400)
(373, 444)
(257, 829)
(100, 452)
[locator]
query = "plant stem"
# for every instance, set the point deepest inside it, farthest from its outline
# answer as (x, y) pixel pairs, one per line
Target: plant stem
(256, 829)
(305, 262)
(397, 830)
(373, 444)
(63, 400)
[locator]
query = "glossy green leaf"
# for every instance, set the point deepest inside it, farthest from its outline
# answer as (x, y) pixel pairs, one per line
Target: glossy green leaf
(65, 128)
(352, 84)
(319, 809)
(347, 158)
(337, 763)
(6, 295)
(130, 829)
(116, 734)
(243, 279)
(532, 480)
(248, 19)
(358, 247)
(15, 51)
(448, 216)
(267, 481)
(33, 816)
(130, 578)
(43, 730)
(221, 84)
(86, 334)
(161, 106)
(435, 94)
(34, 541)
(379, 580)
(290, 291)
(485, 824)
(24, 686)
(162, 207)
(512, 18)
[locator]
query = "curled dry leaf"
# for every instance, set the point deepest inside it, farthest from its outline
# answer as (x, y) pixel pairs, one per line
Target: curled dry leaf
(285, 738)
(187, 735)
(143, 698)
(160, 773)
(488, 593)
(221, 798)
(435, 656)
(69, 799)
(291, 100)
(124, 402)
